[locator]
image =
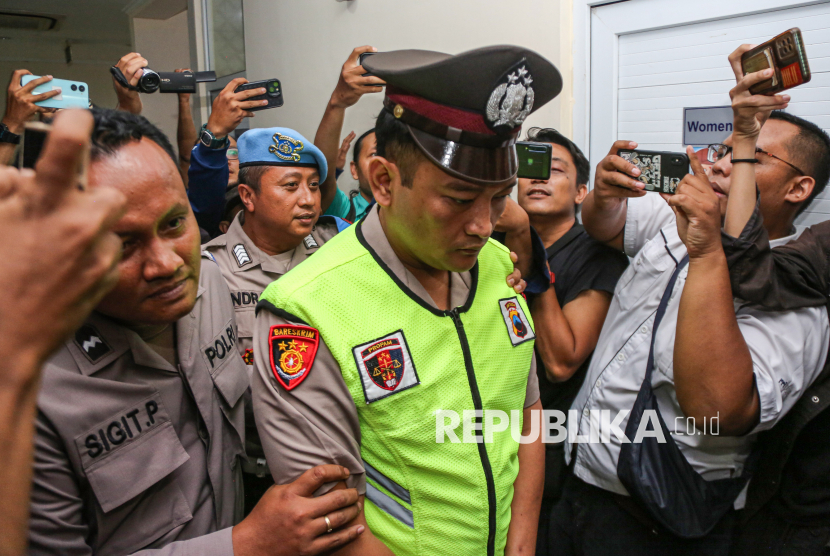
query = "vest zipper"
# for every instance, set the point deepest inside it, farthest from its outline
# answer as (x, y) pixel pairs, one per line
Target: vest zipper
(482, 449)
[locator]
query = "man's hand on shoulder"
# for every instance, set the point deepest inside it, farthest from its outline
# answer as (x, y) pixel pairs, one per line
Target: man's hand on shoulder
(289, 521)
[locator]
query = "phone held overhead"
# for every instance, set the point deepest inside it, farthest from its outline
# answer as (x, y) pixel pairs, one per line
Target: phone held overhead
(273, 93)
(73, 94)
(786, 55)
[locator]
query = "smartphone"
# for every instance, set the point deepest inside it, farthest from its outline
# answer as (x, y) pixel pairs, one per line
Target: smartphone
(31, 145)
(74, 94)
(273, 93)
(360, 62)
(786, 55)
(534, 160)
(660, 171)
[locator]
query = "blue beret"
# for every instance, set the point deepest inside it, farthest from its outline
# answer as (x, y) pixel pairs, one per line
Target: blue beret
(279, 146)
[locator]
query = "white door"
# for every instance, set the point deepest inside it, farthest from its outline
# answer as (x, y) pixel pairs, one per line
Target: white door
(651, 58)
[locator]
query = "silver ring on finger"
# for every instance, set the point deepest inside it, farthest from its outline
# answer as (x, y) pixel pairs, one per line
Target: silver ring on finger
(328, 524)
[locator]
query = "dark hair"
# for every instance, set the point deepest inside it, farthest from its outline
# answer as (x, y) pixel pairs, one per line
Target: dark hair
(115, 128)
(396, 145)
(810, 150)
(252, 175)
(550, 135)
(359, 144)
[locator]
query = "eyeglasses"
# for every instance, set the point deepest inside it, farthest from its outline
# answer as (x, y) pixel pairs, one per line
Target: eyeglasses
(719, 151)
(233, 154)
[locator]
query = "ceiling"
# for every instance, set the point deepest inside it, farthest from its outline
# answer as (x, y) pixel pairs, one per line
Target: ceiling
(98, 31)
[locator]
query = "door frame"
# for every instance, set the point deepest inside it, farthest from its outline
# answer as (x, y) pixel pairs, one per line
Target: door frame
(595, 116)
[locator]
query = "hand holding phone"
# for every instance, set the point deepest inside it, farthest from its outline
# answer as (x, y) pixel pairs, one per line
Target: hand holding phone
(659, 171)
(273, 93)
(786, 56)
(21, 101)
(66, 94)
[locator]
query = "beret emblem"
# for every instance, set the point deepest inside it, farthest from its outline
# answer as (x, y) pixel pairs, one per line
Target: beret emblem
(286, 148)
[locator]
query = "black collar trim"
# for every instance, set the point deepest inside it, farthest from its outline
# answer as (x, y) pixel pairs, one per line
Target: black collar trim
(405, 289)
(270, 307)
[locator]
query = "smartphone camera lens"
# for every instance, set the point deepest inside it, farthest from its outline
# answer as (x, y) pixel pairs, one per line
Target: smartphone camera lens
(74, 87)
(273, 89)
(82, 88)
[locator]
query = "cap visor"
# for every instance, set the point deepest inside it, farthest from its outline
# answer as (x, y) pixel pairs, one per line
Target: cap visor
(482, 166)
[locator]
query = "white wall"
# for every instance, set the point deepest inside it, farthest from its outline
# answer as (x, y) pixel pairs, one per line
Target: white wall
(166, 46)
(91, 65)
(305, 43)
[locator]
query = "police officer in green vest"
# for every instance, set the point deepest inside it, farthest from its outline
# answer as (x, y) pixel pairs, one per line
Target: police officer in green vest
(405, 319)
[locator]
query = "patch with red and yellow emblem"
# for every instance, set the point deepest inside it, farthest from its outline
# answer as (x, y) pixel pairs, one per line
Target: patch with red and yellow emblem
(248, 356)
(293, 348)
(385, 366)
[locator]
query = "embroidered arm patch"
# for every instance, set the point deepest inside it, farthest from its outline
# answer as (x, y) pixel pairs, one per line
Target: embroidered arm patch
(292, 348)
(518, 327)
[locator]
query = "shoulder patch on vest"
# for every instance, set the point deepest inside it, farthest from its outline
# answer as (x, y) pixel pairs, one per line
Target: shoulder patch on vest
(518, 327)
(241, 254)
(91, 343)
(310, 242)
(385, 366)
(292, 350)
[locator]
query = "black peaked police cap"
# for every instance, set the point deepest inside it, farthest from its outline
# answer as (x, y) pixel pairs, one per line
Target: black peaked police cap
(465, 112)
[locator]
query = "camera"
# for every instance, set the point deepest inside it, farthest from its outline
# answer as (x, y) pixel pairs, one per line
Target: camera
(164, 81)
(173, 82)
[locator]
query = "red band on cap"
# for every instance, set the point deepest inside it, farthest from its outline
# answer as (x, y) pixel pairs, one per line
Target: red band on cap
(459, 118)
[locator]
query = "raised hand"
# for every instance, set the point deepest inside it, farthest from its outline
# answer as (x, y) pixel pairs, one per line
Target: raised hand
(698, 211)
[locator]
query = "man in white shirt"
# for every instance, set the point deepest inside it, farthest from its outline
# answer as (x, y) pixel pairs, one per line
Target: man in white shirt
(787, 351)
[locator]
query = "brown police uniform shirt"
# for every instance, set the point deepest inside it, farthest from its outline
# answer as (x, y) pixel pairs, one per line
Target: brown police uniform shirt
(248, 270)
(135, 453)
(316, 423)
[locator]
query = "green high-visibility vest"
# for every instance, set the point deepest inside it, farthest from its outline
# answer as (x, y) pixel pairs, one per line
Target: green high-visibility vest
(403, 361)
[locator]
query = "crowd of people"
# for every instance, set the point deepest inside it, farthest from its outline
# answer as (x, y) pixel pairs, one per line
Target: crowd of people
(229, 355)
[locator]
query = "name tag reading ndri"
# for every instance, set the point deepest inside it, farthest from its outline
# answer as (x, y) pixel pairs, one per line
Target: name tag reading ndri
(706, 126)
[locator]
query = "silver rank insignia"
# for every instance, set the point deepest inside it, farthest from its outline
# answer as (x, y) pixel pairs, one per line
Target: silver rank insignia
(512, 100)
(241, 255)
(310, 242)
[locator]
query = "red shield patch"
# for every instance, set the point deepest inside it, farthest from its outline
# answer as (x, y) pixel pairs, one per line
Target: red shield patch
(248, 356)
(292, 350)
(385, 364)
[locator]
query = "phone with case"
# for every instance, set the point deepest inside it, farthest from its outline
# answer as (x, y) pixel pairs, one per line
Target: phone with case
(786, 55)
(74, 94)
(273, 93)
(660, 171)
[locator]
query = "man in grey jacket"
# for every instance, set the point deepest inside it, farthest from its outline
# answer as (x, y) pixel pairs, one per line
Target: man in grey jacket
(140, 425)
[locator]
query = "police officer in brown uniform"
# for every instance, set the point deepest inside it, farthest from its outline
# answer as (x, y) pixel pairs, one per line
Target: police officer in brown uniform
(278, 228)
(140, 426)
